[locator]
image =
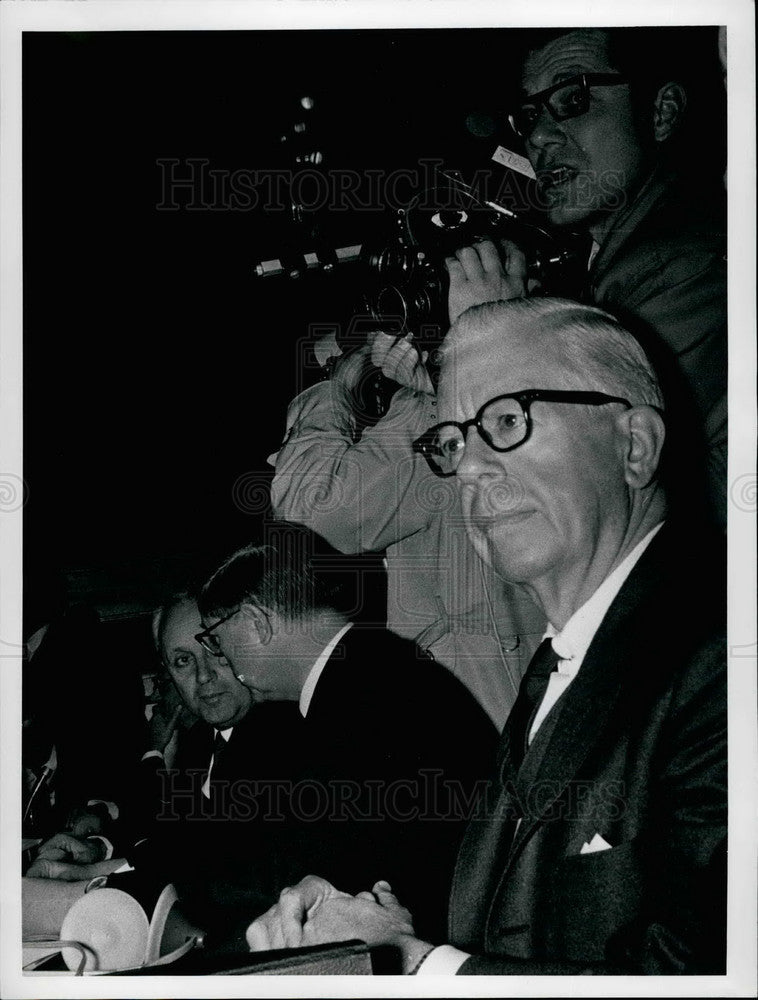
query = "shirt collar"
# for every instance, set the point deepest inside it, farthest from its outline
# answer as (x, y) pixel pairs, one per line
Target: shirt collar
(573, 641)
(315, 672)
(593, 253)
(226, 733)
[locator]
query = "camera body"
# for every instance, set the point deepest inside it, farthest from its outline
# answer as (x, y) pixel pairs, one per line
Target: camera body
(406, 282)
(403, 280)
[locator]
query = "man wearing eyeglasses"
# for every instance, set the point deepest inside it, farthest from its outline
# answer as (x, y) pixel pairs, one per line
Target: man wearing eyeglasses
(599, 847)
(605, 122)
(393, 745)
(222, 741)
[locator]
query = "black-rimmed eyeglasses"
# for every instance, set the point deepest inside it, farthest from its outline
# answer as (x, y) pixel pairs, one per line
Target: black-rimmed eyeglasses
(567, 99)
(503, 423)
(208, 640)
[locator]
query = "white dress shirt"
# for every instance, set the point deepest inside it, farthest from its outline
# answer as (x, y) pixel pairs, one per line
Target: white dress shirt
(573, 641)
(225, 733)
(315, 672)
(593, 253)
(571, 644)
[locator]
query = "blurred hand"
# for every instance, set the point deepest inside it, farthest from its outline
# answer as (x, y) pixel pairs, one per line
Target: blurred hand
(61, 870)
(71, 849)
(400, 361)
(485, 273)
(166, 716)
(84, 822)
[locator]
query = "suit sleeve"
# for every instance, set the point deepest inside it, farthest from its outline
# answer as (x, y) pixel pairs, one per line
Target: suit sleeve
(359, 495)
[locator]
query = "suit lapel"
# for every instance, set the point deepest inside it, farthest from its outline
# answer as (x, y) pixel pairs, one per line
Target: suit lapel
(584, 714)
(482, 854)
(589, 703)
(643, 620)
(195, 747)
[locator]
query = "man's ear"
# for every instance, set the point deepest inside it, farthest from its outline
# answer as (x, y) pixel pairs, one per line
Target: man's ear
(644, 434)
(670, 102)
(259, 620)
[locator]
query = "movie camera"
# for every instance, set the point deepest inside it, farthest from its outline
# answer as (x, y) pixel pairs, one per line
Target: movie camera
(403, 280)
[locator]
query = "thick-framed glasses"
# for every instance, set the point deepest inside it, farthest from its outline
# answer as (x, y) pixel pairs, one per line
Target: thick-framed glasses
(567, 99)
(208, 640)
(503, 423)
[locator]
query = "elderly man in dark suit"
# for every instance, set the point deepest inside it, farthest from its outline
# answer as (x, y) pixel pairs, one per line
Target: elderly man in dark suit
(599, 847)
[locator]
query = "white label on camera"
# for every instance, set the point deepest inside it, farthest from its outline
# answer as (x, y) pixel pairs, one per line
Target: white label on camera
(514, 161)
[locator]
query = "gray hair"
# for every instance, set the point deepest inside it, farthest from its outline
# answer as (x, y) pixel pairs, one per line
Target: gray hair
(599, 353)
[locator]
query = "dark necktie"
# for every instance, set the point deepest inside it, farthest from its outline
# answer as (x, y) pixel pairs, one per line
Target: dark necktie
(219, 748)
(530, 694)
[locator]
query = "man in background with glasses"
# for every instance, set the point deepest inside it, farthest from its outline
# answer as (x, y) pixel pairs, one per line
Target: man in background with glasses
(600, 844)
(620, 126)
(211, 710)
(394, 746)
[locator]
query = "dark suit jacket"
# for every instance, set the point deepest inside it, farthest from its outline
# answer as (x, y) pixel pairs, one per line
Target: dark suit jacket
(635, 752)
(394, 746)
(183, 829)
(662, 271)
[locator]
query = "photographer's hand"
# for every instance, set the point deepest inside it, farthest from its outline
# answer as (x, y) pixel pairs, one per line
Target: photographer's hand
(348, 369)
(400, 361)
(485, 273)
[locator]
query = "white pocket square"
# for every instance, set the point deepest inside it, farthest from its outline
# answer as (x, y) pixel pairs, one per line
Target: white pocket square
(596, 844)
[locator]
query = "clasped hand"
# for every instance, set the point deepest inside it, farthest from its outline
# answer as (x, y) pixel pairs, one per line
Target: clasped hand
(66, 857)
(314, 912)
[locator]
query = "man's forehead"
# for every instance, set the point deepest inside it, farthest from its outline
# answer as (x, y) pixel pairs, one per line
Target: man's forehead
(584, 51)
(181, 620)
(495, 362)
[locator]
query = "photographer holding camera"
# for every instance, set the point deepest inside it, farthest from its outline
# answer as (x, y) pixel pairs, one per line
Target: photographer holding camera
(375, 494)
(602, 117)
(601, 121)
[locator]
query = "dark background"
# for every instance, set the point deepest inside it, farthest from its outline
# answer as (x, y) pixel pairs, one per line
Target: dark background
(157, 368)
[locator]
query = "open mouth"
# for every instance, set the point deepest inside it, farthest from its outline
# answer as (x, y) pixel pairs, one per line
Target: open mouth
(555, 178)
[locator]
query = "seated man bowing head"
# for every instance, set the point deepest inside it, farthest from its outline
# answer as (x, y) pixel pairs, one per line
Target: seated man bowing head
(600, 845)
(394, 745)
